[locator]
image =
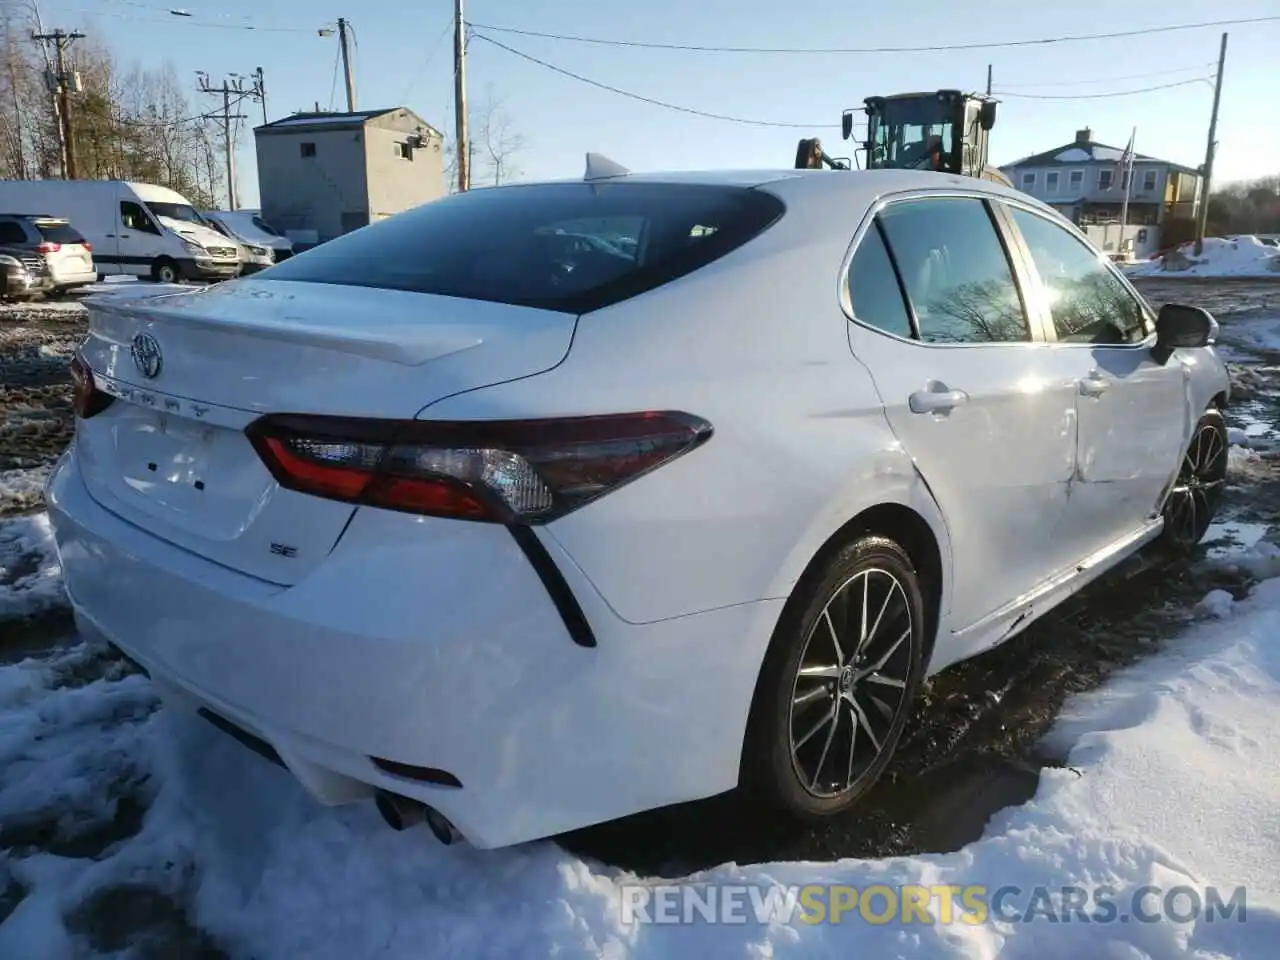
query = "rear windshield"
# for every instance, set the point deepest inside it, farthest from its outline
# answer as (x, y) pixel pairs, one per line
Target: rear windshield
(573, 247)
(58, 232)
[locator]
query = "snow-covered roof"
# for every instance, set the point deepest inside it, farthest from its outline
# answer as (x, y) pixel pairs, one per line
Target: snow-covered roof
(336, 121)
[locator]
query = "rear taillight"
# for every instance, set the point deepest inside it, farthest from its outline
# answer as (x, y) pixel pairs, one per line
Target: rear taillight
(88, 247)
(87, 399)
(48, 247)
(497, 471)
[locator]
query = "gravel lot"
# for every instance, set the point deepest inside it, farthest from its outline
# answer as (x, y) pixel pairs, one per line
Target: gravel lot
(972, 749)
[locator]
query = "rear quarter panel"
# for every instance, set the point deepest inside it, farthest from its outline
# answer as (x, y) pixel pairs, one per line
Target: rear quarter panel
(756, 344)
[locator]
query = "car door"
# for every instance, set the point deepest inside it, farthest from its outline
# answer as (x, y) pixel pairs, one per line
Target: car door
(139, 239)
(1134, 419)
(941, 325)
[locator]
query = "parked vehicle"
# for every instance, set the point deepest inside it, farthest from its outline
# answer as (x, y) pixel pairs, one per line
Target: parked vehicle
(252, 257)
(68, 255)
(249, 228)
(134, 228)
(24, 274)
(519, 534)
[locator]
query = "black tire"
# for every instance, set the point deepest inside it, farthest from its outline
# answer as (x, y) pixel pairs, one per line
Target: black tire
(165, 270)
(1193, 501)
(807, 782)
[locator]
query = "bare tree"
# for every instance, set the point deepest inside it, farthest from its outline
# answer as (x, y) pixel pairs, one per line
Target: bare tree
(495, 143)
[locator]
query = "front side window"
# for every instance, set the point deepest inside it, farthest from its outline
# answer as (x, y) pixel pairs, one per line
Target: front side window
(956, 271)
(873, 288)
(1088, 303)
(572, 247)
(135, 218)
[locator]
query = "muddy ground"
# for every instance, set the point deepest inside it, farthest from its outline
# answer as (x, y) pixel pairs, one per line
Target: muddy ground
(973, 745)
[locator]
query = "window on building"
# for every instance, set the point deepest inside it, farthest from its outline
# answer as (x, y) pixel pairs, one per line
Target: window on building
(1149, 180)
(1051, 181)
(956, 271)
(308, 149)
(404, 151)
(1029, 179)
(1076, 179)
(1104, 179)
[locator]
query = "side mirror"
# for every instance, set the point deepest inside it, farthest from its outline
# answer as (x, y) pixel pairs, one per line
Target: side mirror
(1183, 327)
(987, 116)
(846, 124)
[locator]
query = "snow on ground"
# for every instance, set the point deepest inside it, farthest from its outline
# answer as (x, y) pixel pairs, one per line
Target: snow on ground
(29, 571)
(1244, 256)
(22, 489)
(1171, 779)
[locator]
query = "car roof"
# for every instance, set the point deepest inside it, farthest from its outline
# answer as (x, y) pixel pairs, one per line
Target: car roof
(856, 185)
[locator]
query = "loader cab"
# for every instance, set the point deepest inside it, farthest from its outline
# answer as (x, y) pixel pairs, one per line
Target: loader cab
(945, 130)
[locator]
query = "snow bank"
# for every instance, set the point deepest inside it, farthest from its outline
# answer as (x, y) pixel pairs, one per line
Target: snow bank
(30, 577)
(1238, 257)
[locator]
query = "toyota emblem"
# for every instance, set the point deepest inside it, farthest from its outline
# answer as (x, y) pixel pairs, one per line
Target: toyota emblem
(146, 355)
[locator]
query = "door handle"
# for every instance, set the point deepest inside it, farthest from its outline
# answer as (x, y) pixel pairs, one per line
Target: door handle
(1094, 385)
(936, 401)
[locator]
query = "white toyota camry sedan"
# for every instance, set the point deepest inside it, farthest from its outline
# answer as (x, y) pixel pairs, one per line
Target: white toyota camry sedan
(546, 504)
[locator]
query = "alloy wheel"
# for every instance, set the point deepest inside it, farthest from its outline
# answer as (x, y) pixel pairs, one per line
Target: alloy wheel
(851, 683)
(1190, 507)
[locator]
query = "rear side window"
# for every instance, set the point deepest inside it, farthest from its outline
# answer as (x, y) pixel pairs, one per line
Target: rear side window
(956, 271)
(58, 232)
(572, 247)
(11, 232)
(873, 288)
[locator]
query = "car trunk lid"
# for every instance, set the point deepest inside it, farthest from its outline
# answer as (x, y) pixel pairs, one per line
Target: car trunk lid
(191, 370)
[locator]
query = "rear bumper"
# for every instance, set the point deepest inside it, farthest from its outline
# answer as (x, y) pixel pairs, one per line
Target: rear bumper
(64, 279)
(434, 644)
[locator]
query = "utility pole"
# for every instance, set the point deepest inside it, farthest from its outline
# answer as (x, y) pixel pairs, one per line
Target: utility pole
(1203, 219)
(260, 85)
(226, 90)
(61, 84)
(343, 28)
(461, 148)
(988, 79)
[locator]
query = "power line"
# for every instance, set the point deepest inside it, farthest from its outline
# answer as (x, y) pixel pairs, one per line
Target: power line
(182, 20)
(1128, 76)
(644, 99)
(1098, 96)
(130, 122)
(431, 52)
(933, 48)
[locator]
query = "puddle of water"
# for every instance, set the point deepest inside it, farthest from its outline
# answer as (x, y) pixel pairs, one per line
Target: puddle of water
(1232, 536)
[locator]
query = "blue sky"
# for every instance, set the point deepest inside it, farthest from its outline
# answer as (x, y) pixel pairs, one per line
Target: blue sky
(404, 57)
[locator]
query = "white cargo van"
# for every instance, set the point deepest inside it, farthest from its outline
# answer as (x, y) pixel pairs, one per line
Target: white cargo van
(134, 228)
